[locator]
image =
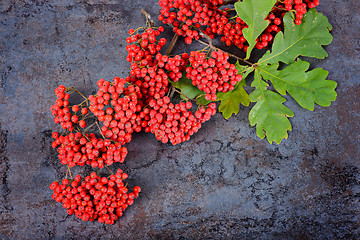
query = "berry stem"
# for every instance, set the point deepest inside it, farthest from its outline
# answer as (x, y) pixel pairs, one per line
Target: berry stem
(87, 117)
(279, 8)
(67, 170)
(109, 169)
(70, 172)
(74, 90)
(86, 129)
(100, 129)
(203, 50)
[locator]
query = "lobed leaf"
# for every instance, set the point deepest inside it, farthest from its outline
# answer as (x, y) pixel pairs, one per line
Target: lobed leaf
(269, 114)
(305, 39)
(253, 13)
(324, 90)
(307, 88)
(230, 101)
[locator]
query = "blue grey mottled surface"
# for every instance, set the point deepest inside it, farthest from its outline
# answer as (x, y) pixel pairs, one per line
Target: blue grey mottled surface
(225, 183)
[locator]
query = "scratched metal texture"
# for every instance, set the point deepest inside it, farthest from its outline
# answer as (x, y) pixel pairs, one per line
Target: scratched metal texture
(225, 183)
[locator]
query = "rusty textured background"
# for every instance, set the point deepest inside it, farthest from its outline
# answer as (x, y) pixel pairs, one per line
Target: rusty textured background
(225, 183)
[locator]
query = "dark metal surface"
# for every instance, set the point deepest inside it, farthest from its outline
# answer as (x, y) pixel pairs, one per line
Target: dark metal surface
(225, 183)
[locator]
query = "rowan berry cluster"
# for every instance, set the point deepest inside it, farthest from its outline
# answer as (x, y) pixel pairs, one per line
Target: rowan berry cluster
(80, 149)
(116, 107)
(174, 122)
(275, 18)
(143, 47)
(94, 197)
(212, 75)
(154, 79)
(119, 108)
(299, 6)
(63, 114)
(190, 18)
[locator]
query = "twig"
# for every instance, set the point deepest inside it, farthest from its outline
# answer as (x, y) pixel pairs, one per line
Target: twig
(230, 54)
(148, 18)
(87, 117)
(67, 170)
(172, 92)
(172, 44)
(74, 90)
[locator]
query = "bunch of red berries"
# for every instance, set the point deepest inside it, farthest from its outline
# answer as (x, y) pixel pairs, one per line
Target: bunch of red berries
(154, 79)
(169, 122)
(191, 17)
(104, 199)
(78, 149)
(127, 105)
(212, 75)
(62, 112)
(101, 198)
(115, 106)
(174, 122)
(187, 17)
(299, 6)
(143, 47)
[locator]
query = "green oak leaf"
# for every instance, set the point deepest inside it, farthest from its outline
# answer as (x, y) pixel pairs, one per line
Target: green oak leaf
(186, 87)
(305, 39)
(269, 114)
(253, 13)
(307, 88)
(324, 90)
(230, 101)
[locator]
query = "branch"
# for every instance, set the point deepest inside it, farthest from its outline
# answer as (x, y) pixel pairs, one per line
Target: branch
(216, 48)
